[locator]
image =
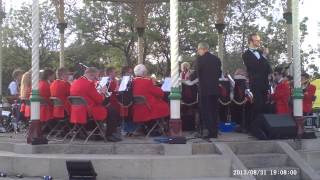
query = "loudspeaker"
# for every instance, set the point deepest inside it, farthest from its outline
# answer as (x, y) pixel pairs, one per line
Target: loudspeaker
(274, 126)
(39, 141)
(81, 170)
(177, 140)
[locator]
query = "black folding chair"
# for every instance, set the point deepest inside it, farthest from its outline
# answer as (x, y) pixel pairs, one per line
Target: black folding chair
(79, 128)
(63, 124)
(161, 123)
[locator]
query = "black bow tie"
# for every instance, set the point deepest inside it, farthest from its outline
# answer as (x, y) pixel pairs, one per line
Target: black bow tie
(254, 50)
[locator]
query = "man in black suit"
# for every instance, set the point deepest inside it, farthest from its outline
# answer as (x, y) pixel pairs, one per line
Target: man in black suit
(208, 71)
(258, 69)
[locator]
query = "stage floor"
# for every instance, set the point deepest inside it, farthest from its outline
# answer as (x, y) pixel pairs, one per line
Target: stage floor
(191, 137)
(140, 158)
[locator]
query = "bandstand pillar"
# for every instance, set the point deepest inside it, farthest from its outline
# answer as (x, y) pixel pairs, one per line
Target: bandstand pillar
(219, 9)
(175, 95)
(35, 134)
(61, 25)
(140, 11)
(220, 27)
(288, 17)
(297, 93)
(2, 17)
(140, 31)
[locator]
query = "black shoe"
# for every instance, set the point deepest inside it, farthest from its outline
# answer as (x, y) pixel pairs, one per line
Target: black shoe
(155, 134)
(97, 138)
(113, 139)
(211, 136)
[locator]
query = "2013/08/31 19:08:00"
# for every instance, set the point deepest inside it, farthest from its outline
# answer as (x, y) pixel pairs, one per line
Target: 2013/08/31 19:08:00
(264, 172)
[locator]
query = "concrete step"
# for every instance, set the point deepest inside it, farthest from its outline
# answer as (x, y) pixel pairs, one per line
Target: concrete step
(209, 178)
(311, 157)
(206, 178)
(310, 144)
(111, 148)
(264, 160)
(119, 166)
(278, 173)
(25, 178)
(255, 147)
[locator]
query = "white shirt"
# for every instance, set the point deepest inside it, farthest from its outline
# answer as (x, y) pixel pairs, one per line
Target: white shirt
(13, 88)
(255, 52)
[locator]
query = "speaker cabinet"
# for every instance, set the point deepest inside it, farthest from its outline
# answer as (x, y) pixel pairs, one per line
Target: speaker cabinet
(274, 126)
(81, 170)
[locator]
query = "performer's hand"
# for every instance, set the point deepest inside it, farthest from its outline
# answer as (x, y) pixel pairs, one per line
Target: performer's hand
(103, 90)
(270, 77)
(154, 80)
(265, 51)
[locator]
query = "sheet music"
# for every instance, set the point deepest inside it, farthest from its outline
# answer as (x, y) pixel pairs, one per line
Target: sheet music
(103, 82)
(124, 83)
(6, 113)
(166, 86)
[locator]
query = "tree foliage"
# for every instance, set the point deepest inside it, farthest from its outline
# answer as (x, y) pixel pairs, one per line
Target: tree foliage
(104, 34)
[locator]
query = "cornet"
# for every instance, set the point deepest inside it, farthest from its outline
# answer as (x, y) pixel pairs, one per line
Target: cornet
(108, 94)
(108, 84)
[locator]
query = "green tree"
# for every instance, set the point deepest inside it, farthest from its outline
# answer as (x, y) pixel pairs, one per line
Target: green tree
(109, 24)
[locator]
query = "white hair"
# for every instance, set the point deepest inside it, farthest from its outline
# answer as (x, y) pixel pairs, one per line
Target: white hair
(140, 70)
(185, 65)
(203, 45)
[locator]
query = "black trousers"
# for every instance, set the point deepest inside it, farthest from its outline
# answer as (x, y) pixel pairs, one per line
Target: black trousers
(209, 113)
(113, 121)
(259, 103)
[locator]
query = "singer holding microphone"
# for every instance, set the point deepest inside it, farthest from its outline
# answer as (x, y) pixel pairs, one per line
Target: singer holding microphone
(258, 68)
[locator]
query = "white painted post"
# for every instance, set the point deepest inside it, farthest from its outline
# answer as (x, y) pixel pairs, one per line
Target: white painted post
(2, 16)
(35, 106)
(175, 96)
(298, 93)
(35, 127)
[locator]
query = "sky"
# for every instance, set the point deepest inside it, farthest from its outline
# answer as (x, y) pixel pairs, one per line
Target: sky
(308, 8)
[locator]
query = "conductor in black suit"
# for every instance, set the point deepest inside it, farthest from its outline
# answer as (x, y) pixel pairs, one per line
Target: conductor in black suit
(258, 68)
(208, 70)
